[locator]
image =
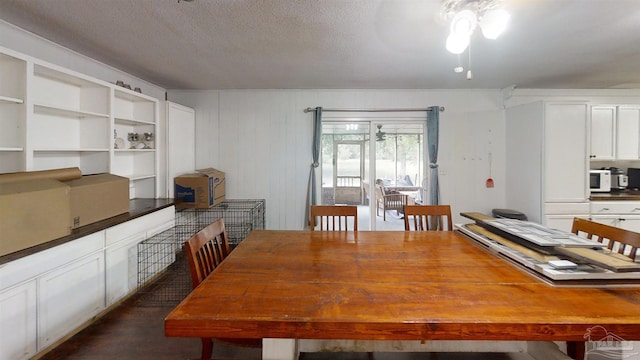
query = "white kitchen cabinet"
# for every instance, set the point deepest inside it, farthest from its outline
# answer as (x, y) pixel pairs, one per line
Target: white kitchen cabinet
(181, 149)
(52, 117)
(603, 133)
(68, 297)
(628, 133)
(622, 214)
(121, 252)
(615, 132)
(547, 160)
(121, 263)
(47, 295)
(18, 322)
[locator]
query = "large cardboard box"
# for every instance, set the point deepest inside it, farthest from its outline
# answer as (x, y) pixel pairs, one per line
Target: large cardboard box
(33, 212)
(202, 189)
(97, 197)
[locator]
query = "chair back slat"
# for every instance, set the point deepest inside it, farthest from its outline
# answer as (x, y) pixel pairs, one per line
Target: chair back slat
(206, 250)
(334, 217)
(618, 240)
(427, 217)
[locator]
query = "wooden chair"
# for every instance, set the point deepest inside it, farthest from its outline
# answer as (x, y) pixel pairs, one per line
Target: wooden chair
(386, 202)
(618, 240)
(427, 217)
(333, 217)
(205, 251)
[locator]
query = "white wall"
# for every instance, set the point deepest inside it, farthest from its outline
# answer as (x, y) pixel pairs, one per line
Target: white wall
(262, 140)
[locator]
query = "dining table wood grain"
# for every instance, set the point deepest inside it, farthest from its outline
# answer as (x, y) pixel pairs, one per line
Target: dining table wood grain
(391, 285)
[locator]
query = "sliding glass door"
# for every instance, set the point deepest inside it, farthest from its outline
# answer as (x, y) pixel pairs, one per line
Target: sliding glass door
(391, 152)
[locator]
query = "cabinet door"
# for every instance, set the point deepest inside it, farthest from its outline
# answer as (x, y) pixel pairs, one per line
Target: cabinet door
(121, 261)
(18, 322)
(603, 126)
(181, 151)
(68, 297)
(628, 133)
(565, 153)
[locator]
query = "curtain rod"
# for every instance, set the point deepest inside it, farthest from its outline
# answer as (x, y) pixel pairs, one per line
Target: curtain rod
(309, 109)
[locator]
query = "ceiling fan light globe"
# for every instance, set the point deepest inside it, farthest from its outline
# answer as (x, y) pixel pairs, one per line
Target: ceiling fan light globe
(494, 23)
(457, 43)
(464, 23)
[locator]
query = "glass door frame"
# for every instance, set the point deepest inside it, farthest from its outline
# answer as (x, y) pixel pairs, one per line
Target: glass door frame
(372, 122)
(373, 128)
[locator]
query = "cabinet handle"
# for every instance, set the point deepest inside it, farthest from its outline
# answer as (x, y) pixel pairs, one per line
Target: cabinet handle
(604, 209)
(636, 209)
(621, 219)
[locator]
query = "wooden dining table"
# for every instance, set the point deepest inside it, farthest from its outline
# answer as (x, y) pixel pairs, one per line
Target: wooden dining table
(283, 286)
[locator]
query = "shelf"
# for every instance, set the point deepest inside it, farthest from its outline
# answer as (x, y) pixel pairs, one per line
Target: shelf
(61, 150)
(60, 76)
(130, 95)
(137, 177)
(133, 122)
(134, 150)
(52, 110)
(10, 100)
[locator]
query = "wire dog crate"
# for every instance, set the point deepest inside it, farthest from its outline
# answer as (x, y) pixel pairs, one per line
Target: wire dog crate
(163, 271)
(240, 218)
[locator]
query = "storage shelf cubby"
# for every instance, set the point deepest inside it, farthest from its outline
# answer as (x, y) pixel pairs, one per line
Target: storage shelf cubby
(52, 117)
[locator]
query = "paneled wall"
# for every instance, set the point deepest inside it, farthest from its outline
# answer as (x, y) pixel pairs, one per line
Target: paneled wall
(262, 140)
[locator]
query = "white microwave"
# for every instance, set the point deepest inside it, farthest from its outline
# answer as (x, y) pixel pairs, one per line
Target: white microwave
(600, 180)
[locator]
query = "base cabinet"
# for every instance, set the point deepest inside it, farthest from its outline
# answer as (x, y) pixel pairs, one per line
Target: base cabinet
(68, 297)
(121, 261)
(50, 294)
(18, 321)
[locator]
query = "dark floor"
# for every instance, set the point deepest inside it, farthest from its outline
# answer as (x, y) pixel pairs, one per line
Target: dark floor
(135, 330)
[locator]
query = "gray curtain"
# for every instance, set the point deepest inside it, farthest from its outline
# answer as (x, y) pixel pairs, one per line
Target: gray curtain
(433, 119)
(315, 153)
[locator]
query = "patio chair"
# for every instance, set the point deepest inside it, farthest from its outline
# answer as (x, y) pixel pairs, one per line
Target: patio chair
(392, 201)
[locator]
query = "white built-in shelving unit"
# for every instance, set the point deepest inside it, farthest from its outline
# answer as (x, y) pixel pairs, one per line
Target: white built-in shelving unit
(52, 117)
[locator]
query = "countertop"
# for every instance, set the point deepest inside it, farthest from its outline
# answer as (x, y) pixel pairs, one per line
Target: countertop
(137, 208)
(624, 195)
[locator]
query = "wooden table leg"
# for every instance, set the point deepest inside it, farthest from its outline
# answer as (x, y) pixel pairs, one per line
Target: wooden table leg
(575, 349)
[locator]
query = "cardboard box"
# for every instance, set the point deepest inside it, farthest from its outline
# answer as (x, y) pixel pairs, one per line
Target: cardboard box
(33, 212)
(97, 197)
(202, 189)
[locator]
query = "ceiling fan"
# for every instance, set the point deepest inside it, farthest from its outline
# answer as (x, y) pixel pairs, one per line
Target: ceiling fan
(381, 135)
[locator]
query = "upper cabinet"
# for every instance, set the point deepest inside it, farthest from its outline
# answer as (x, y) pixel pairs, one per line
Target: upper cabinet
(13, 74)
(615, 132)
(628, 133)
(69, 122)
(53, 117)
(134, 140)
(603, 125)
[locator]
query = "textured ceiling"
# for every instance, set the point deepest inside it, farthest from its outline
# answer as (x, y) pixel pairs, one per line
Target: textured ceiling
(334, 44)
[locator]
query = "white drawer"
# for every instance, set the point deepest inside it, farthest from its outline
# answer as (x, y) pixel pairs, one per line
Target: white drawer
(615, 207)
